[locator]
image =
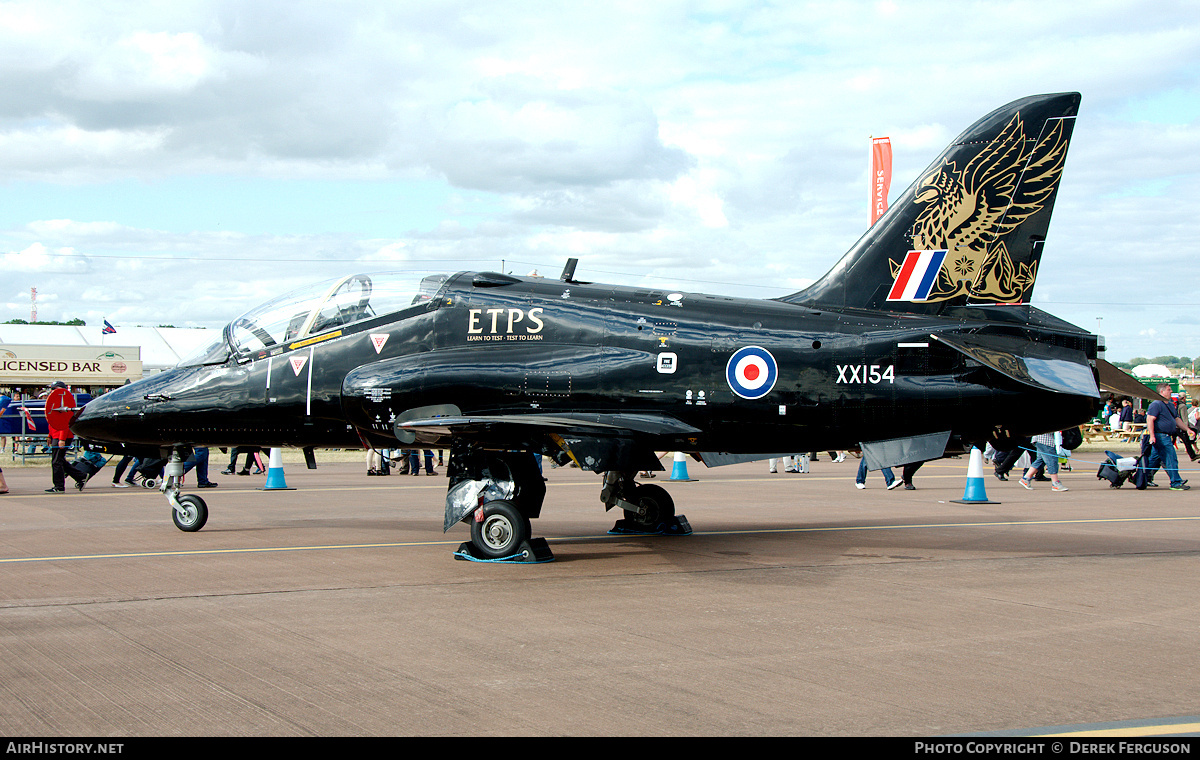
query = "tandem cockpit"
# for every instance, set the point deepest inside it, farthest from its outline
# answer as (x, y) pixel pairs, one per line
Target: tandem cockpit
(316, 309)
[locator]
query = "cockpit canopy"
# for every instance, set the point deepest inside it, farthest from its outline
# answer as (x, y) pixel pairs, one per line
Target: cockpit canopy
(316, 308)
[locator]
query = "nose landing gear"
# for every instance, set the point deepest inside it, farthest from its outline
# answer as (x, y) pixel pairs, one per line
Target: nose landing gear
(189, 512)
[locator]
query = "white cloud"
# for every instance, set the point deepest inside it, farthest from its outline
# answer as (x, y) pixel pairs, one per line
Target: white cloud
(41, 260)
(143, 65)
(49, 153)
(704, 201)
(523, 135)
(70, 227)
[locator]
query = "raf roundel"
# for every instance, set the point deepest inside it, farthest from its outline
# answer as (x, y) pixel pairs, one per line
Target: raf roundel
(751, 372)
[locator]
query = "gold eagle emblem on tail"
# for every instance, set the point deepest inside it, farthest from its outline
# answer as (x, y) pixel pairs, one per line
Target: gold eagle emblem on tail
(968, 212)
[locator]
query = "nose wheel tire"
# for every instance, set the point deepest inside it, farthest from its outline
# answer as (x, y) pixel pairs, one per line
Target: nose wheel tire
(194, 514)
(501, 531)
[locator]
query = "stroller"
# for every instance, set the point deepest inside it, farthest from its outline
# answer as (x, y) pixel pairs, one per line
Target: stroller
(149, 472)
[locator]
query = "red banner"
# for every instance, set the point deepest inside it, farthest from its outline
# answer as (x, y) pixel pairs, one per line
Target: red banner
(881, 175)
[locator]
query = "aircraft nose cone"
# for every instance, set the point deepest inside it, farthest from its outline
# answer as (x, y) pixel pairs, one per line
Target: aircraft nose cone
(90, 421)
(104, 418)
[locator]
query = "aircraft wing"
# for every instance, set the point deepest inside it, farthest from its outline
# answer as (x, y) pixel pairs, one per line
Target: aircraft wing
(1039, 365)
(593, 441)
(576, 422)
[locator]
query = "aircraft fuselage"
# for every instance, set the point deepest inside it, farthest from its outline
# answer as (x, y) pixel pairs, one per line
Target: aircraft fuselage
(497, 347)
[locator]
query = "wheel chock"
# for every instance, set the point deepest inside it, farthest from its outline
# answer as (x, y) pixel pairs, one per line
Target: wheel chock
(676, 526)
(533, 551)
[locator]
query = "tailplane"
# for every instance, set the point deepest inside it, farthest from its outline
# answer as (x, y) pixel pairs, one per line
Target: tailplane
(970, 230)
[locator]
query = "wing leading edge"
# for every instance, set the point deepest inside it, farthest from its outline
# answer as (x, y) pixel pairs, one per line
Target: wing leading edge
(579, 423)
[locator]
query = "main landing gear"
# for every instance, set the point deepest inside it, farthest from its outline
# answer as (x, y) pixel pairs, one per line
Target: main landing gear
(189, 511)
(649, 509)
(499, 493)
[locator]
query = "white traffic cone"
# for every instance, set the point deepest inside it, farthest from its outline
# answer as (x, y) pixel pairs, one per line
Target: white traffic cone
(275, 479)
(975, 493)
(679, 468)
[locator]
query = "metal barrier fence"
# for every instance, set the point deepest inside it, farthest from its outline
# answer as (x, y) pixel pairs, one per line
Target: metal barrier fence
(24, 424)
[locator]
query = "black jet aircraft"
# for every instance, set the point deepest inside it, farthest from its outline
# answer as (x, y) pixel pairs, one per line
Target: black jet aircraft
(919, 342)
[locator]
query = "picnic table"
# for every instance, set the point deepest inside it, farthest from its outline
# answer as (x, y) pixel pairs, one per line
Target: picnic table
(1133, 433)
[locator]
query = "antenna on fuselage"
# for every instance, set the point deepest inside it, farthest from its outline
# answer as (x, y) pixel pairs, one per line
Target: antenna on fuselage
(568, 273)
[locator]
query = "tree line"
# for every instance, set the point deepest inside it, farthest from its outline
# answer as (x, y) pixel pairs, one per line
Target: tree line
(77, 322)
(1171, 362)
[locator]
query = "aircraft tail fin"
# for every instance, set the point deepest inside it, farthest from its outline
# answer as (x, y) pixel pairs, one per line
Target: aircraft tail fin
(970, 230)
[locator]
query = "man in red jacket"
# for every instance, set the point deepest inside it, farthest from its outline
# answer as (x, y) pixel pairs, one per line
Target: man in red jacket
(60, 434)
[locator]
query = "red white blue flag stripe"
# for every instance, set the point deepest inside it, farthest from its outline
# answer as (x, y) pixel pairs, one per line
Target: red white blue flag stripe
(917, 275)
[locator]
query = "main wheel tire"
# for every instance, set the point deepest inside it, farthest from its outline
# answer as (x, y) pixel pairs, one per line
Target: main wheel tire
(195, 513)
(655, 501)
(502, 530)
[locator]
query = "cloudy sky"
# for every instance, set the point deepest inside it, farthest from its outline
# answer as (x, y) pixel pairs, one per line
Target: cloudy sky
(182, 162)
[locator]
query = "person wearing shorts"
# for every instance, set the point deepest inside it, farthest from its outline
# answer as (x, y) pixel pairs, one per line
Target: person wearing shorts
(1047, 454)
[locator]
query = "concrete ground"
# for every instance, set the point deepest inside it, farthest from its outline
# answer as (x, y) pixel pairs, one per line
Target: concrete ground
(800, 606)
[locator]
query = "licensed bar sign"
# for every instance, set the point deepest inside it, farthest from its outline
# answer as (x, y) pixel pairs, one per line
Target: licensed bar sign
(74, 365)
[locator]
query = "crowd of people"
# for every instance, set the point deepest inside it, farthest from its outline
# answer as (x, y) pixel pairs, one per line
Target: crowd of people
(404, 461)
(1169, 420)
